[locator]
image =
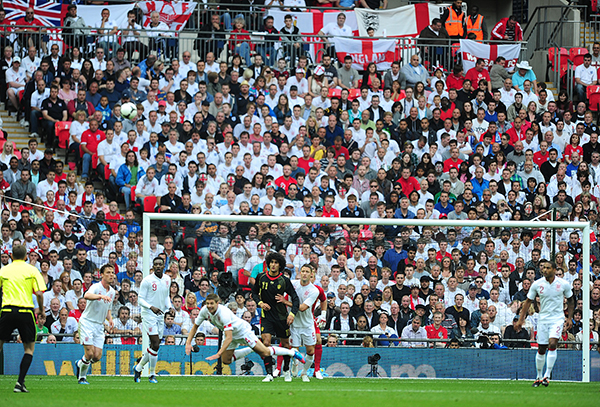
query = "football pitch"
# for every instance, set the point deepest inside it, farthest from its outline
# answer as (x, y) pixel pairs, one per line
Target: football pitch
(250, 391)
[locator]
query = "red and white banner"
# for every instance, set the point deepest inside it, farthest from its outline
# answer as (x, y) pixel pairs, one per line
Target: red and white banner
(311, 21)
(406, 21)
(363, 52)
(472, 50)
(173, 14)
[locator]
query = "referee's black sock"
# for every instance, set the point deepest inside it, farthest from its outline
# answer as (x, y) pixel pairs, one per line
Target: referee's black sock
(286, 363)
(25, 363)
(268, 361)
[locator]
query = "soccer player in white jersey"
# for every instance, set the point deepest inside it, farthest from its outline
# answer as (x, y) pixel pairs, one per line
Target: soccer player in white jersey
(154, 300)
(552, 290)
(236, 331)
(303, 330)
(99, 298)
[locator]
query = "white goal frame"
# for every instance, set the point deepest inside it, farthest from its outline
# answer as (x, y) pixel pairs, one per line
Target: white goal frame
(583, 226)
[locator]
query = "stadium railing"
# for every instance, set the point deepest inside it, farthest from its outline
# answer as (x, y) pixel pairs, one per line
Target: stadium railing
(442, 53)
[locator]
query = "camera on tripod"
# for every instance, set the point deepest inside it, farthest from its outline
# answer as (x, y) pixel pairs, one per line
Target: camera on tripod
(374, 359)
(246, 368)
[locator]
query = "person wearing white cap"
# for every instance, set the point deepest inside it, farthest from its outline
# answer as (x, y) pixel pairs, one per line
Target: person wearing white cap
(15, 79)
(524, 72)
(585, 75)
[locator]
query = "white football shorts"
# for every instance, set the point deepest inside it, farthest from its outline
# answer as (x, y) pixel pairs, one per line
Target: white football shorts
(91, 333)
(245, 338)
(548, 330)
(303, 336)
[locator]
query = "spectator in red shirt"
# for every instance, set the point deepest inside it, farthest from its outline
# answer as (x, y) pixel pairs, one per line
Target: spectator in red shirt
(541, 156)
(436, 330)
(286, 180)
(89, 146)
(408, 182)
(453, 161)
(456, 78)
(27, 25)
(339, 149)
(478, 73)
(306, 161)
(328, 210)
(76, 313)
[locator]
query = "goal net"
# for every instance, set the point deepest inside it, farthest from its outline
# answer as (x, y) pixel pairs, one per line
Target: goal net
(408, 269)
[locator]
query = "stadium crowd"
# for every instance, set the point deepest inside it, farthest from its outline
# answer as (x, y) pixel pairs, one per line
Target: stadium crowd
(256, 135)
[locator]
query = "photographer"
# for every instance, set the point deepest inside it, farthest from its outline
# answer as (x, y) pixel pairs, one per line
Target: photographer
(130, 37)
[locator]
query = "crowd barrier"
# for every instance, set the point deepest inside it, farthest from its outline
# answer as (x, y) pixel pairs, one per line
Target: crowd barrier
(433, 53)
(461, 363)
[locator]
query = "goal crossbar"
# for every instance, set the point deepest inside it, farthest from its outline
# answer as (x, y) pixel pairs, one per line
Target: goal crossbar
(583, 226)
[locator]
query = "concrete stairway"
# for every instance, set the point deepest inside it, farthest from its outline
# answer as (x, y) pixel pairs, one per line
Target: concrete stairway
(16, 133)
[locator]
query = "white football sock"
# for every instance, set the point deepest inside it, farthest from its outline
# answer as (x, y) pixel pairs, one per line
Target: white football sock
(145, 359)
(309, 361)
(551, 359)
(241, 353)
(84, 365)
(539, 365)
(279, 351)
(153, 360)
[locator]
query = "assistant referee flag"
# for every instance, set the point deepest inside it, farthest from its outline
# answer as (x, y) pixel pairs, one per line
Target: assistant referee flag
(19, 282)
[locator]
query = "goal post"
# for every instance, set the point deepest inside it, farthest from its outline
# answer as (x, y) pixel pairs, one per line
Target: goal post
(584, 227)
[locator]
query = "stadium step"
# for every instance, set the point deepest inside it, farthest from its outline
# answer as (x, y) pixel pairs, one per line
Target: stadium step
(16, 133)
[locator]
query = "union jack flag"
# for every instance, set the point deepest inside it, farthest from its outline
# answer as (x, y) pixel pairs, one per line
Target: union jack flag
(49, 13)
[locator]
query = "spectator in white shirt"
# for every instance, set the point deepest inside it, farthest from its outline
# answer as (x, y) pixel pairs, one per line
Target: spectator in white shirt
(585, 75)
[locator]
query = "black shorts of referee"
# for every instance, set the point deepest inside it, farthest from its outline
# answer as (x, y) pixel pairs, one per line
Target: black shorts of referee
(22, 319)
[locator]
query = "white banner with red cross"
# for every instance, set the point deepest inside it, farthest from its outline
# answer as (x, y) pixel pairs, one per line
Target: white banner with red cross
(470, 51)
(363, 52)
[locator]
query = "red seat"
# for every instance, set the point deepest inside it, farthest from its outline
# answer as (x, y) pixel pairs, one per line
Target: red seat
(94, 160)
(62, 132)
(354, 94)
(593, 94)
(149, 203)
(334, 92)
(107, 173)
(576, 55)
(564, 59)
(133, 193)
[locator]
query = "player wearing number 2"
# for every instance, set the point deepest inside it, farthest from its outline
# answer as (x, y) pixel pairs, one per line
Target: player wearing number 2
(155, 301)
(303, 330)
(99, 298)
(552, 290)
(236, 331)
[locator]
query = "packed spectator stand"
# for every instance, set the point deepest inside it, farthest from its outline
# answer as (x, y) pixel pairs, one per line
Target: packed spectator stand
(243, 127)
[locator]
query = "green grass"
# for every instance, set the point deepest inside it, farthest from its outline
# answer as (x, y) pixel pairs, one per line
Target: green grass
(250, 391)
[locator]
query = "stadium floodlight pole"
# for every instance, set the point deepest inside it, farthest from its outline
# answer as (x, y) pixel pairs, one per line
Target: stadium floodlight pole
(583, 226)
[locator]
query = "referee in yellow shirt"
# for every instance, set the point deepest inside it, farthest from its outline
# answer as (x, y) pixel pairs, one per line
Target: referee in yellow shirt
(18, 282)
